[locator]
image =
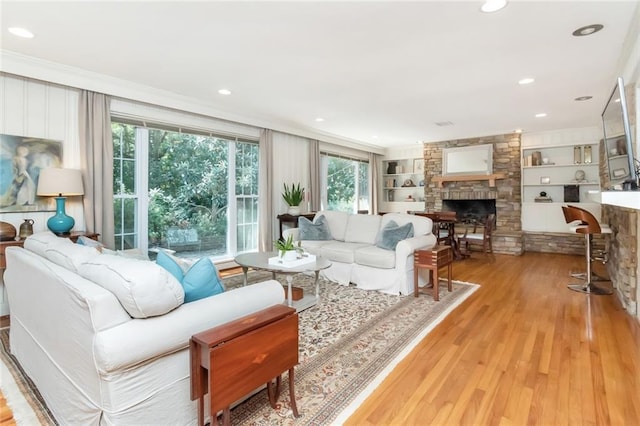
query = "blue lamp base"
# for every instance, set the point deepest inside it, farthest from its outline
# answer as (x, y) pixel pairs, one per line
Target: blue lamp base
(60, 223)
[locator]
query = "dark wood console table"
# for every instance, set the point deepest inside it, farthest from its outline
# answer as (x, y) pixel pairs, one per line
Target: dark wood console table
(293, 219)
(231, 360)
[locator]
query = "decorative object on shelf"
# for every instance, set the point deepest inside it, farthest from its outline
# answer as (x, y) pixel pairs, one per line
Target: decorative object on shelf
(580, 176)
(545, 180)
(408, 183)
(421, 182)
(571, 194)
(7, 231)
(390, 196)
(613, 152)
(545, 161)
(418, 165)
(621, 146)
(577, 154)
(536, 158)
(26, 229)
(410, 198)
(543, 198)
(293, 197)
(587, 154)
(60, 183)
(391, 167)
(543, 194)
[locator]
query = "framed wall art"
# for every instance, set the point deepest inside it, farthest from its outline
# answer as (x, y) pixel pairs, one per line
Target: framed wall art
(21, 159)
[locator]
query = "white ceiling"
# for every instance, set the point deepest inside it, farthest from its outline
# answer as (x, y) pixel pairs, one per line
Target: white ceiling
(386, 69)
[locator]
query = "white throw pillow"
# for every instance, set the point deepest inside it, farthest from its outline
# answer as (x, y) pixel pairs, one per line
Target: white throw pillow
(69, 255)
(143, 288)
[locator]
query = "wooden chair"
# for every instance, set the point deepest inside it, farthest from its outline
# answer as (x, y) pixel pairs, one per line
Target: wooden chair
(479, 235)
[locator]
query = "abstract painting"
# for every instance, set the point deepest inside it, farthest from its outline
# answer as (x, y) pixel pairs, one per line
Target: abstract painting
(21, 159)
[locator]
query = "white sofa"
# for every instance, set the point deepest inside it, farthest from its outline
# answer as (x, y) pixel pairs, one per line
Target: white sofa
(356, 258)
(92, 362)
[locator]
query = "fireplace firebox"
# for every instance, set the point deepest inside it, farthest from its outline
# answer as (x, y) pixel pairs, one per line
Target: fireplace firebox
(470, 210)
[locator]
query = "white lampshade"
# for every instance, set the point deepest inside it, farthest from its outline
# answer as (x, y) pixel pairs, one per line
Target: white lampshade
(65, 182)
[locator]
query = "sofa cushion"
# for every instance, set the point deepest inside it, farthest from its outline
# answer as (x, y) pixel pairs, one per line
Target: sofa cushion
(340, 251)
(143, 288)
(376, 257)
(198, 281)
(392, 233)
(362, 228)
(318, 230)
(314, 247)
(39, 241)
(421, 225)
(69, 255)
(337, 222)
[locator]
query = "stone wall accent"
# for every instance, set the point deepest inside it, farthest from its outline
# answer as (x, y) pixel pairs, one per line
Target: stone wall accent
(506, 159)
(553, 242)
(622, 249)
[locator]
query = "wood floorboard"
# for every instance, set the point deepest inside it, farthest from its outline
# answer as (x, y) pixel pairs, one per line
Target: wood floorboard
(522, 350)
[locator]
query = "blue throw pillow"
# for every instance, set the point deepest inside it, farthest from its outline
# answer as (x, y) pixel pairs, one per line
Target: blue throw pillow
(392, 234)
(316, 231)
(200, 281)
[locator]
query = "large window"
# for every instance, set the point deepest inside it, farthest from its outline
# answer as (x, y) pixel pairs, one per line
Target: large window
(345, 184)
(200, 191)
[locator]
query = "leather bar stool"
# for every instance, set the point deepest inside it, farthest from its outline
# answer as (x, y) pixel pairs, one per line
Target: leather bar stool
(586, 223)
(574, 222)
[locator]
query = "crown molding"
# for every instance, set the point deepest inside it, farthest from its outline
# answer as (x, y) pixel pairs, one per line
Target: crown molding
(39, 69)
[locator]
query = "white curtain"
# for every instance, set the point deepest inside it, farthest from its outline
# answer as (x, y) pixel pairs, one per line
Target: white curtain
(314, 174)
(96, 156)
(265, 192)
(373, 183)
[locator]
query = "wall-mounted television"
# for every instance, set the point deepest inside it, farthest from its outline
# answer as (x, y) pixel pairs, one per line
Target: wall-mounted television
(617, 140)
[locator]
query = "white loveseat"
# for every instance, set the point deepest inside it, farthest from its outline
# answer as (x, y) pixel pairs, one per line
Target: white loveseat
(92, 362)
(356, 258)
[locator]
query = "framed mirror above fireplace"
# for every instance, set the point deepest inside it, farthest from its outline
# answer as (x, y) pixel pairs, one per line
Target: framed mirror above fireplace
(468, 160)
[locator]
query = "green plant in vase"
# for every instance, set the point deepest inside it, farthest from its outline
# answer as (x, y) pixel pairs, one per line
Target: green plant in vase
(293, 196)
(287, 248)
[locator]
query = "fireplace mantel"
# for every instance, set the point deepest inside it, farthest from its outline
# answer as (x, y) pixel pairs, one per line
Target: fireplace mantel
(463, 178)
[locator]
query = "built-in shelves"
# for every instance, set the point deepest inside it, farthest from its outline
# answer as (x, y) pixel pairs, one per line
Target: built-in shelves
(564, 174)
(403, 180)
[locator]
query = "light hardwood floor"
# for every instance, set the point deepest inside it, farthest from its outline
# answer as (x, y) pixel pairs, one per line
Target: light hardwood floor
(522, 350)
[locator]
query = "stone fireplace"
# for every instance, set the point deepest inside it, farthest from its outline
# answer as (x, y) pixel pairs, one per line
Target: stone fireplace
(470, 210)
(505, 195)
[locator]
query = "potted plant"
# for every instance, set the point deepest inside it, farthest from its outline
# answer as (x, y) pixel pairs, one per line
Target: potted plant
(293, 197)
(287, 249)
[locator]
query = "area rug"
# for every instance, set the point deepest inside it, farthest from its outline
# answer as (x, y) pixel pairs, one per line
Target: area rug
(349, 342)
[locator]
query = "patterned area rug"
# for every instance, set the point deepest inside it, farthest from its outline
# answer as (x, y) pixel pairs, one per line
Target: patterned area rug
(348, 343)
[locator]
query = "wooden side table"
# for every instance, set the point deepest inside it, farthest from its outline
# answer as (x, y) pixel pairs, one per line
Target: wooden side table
(19, 243)
(438, 257)
(231, 360)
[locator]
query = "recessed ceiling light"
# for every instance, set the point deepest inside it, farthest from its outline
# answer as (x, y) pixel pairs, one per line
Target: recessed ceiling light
(224, 91)
(374, 136)
(583, 98)
(493, 5)
(526, 80)
(518, 130)
(542, 114)
(21, 32)
(587, 30)
(319, 119)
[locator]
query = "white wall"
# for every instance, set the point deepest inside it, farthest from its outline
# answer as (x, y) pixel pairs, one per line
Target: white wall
(40, 110)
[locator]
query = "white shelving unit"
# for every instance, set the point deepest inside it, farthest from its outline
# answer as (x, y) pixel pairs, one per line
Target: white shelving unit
(563, 165)
(403, 186)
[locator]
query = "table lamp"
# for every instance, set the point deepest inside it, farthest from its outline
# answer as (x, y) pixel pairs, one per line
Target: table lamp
(60, 183)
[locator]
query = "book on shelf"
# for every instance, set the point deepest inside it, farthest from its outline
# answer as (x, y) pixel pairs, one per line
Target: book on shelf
(543, 200)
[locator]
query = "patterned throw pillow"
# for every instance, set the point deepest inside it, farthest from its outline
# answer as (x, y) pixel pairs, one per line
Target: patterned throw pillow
(389, 236)
(199, 281)
(314, 231)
